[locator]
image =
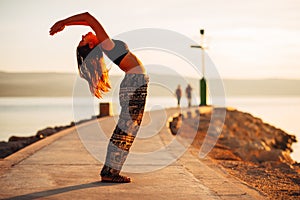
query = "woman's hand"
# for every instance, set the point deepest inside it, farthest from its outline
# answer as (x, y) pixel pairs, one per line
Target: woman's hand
(57, 27)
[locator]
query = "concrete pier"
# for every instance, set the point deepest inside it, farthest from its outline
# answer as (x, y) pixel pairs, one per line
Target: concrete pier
(61, 167)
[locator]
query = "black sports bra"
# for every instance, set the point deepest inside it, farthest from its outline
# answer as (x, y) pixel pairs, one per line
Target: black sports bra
(118, 52)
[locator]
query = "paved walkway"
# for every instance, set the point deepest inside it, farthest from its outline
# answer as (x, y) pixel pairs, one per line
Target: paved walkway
(66, 166)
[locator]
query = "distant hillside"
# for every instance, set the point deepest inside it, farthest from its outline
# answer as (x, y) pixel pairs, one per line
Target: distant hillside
(36, 84)
(61, 84)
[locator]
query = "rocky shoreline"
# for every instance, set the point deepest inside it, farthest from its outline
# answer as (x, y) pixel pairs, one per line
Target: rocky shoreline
(249, 149)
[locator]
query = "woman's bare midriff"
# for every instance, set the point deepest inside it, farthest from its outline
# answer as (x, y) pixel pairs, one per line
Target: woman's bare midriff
(135, 70)
(131, 65)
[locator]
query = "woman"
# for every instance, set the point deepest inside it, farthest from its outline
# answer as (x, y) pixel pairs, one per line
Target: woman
(133, 88)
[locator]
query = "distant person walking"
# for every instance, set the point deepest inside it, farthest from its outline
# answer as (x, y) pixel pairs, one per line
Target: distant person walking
(133, 88)
(188, 92)
(178, 93)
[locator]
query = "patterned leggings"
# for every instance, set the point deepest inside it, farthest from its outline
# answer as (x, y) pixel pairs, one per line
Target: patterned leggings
(132, 95)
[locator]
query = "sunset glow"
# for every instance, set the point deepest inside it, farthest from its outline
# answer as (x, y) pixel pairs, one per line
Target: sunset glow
(252, 39)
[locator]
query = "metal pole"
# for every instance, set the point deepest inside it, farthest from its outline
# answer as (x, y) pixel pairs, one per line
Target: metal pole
(203, 86)
(203, 81)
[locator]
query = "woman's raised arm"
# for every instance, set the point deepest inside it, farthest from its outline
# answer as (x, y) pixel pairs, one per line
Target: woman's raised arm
(85, 19)
(129, 61)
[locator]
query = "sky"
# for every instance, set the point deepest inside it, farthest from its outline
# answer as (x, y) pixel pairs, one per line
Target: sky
(246, 39)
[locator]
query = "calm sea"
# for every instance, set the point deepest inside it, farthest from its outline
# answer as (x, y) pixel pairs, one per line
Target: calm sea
(24, 116)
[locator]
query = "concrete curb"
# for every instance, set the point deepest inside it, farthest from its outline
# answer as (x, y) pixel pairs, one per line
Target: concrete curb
(22, 154)
(29, 150)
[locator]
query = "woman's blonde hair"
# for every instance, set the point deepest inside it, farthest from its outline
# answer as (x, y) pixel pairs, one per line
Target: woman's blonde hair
(92, 68)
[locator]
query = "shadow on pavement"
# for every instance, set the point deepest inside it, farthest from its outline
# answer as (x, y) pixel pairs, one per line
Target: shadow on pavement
(47, 193)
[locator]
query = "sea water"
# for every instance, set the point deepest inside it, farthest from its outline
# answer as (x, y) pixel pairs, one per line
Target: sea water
(25, 116)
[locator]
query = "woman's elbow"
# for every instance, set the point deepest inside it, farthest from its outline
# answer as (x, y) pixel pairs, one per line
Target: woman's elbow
(87, 15)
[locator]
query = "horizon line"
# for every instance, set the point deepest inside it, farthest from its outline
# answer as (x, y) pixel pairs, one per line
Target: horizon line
(115, 74)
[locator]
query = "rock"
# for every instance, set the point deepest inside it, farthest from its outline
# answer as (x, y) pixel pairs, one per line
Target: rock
(46, 132)
(175, 124)
(248, 137)
(16, 138)
(14, 144)
(72, 124)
